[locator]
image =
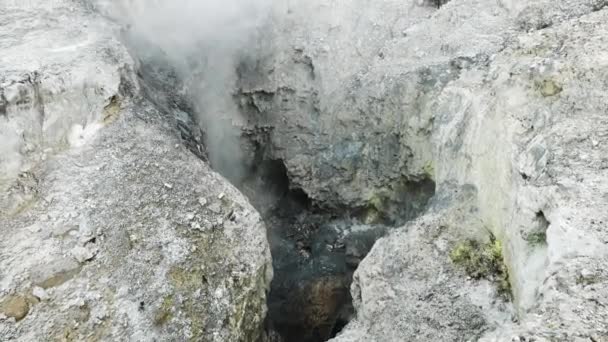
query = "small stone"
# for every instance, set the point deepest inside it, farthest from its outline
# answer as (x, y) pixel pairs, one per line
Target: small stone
(40, 293)
(86, 232)
(220, 196)
(83, 254)
(215, 207)
(169, 186)
(586, 274)
(189, 216)
(15, 307)
(202, 201)
(100, 316)
(35, 228)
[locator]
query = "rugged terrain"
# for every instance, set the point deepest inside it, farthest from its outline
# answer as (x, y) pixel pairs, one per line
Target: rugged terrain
(466, 141)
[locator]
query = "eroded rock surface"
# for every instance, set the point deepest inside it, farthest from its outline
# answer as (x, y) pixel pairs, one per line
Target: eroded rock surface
(112, 229)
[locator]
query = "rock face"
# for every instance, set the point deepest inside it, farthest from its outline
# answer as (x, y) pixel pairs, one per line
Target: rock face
(505, 101)
(112, 229)
(408, 288)
(344, 141)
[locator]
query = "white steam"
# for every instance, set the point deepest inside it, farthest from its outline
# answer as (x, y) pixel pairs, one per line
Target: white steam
(204, 41)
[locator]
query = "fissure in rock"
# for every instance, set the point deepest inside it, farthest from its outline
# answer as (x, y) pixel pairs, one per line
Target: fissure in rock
(315, 247)
(315, 251)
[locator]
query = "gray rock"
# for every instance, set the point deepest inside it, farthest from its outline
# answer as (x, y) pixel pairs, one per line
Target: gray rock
(498, 97)
(101, 154)
(496, 109)
(82, 254)
(407, 288)
(54, 273)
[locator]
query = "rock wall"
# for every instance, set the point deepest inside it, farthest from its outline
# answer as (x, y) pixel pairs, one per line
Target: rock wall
(505, 100)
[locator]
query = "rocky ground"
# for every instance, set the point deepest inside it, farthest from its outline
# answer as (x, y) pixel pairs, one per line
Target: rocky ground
(469, 138)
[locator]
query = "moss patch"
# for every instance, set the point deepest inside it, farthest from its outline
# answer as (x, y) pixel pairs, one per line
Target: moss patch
(549, 88)
(111, 111)
(483, 261)
(536, 238)
(186, 279)
(538, 235)
(164, 312)
(429, 170)
(376, 207)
